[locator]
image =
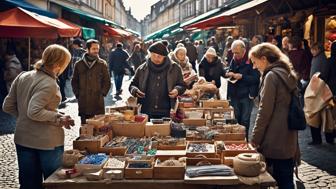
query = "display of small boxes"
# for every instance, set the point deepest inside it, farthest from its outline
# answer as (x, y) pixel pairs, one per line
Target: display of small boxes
(139, 173)
(93, 145)
(168, 172)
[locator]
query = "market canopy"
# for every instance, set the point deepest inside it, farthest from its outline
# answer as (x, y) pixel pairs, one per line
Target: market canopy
(9, 4)
(18, 22)
(89, 17)
(115, 31)
(163, 31)
(87, 33)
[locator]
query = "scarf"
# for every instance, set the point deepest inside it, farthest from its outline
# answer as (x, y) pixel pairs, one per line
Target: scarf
(158, 68)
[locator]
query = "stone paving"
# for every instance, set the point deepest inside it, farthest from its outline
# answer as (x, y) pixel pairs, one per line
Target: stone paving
(318, 168)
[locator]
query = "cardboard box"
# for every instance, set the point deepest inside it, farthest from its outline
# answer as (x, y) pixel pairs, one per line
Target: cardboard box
(168, 172)
(160, 129)
(129, 129)
(92, 146)
(194, 122)
(215, 103)
(139, 173)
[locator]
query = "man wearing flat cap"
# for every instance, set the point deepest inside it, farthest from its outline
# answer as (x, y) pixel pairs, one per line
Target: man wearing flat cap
(157, 83)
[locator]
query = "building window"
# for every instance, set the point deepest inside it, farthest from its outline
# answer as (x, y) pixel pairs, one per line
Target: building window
(212, 4)
(222, 2)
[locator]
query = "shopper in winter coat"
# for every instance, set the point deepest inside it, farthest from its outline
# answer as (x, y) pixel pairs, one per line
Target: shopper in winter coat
(271, 135)
(91, 82)
(244, 87)
(180, 56)
(319, 62)
(118, 63)
(330, 76)
(137, 57)
(157, 83)
(39, 136)
(12, 68)
(191, 52)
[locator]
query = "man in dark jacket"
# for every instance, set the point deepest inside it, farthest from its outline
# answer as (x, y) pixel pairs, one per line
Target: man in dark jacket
(191, 53)
(118, 63)
(157, 83)
(244, 85)
(91, 82)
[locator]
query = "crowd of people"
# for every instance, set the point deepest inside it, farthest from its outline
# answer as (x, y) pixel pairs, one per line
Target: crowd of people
(261, 77)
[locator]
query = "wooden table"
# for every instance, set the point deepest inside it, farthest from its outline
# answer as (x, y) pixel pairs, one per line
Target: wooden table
(53, 182)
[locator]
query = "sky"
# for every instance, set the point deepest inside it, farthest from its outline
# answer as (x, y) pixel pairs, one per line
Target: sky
(139, 8)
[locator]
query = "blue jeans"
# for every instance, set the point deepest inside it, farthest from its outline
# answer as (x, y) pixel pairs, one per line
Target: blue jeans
(37, 165)
(118, 79)
(282, 171)
(242, 109)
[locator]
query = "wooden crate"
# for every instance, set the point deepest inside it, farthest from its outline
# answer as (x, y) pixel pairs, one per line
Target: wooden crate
(232, 153)
(115, 151)
(215, 103)
(196, 160)
(129, 129)
(210, 154)
(194, 122)
(139, 173)
(122, 169)
(230, 136)
(168, 172)
(91, 146)
(167, 154)
(160, 129)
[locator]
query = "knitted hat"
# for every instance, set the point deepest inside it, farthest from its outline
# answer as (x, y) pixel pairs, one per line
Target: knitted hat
(158, 48)
(211, 51)
(78, 42)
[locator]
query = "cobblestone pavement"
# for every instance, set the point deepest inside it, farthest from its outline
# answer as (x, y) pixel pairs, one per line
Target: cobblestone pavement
(318, 169)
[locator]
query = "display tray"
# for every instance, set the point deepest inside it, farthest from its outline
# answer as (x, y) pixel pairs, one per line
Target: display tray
(168, 172)
(229, 152)
(211, 153)
(139, 173)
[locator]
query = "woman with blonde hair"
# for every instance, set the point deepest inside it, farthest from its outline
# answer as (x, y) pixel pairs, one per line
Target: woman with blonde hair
(33, 99)
(271, 135)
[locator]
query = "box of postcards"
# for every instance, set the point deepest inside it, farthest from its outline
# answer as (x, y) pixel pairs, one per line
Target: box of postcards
(169, 169)
(92, 144)
(139, 169)
(114, 168)
(195, 148)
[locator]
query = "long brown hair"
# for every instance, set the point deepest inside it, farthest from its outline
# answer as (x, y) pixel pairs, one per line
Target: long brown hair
(273, 55)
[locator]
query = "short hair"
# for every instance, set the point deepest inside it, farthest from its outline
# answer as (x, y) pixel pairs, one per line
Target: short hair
(259, 38)
(317, 46)
(238, 42)
(90, 42)
(296, 42)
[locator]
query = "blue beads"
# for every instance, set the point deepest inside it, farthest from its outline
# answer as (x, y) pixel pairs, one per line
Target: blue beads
(95, 159)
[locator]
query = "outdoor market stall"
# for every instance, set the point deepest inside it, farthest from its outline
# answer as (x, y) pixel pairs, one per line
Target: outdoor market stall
(201, 146)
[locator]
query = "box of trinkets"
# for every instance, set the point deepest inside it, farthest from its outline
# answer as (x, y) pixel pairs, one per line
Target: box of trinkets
(90, 144)
(159, 127)
(233, 148)
(196, 148)
(139, 169)
(112, 165)
(169, 169)
(91, 163)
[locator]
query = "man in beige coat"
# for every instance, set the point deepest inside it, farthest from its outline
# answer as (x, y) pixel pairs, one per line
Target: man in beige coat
(91, 82)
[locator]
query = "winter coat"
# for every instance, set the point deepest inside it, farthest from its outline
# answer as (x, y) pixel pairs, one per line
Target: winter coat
(90, 85)
(33, 100)
(300, 60)
(137, 58)
(189, 74)
(270, 133)
(12, 69)
(319, 64)
(317, 108)
(118, 61)
(212, 71)
(191, 52)
(330, 74)
(174, 80)
(246, 87)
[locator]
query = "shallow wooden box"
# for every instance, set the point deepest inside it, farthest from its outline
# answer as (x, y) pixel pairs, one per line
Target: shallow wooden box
(215, 103)
(139, 173)
(232, 153)
(115, 151)
(230, 136)
(107, 168)
(210, 154)
(92, 146)
(168, 154)
(194, 122)
(168, 172)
